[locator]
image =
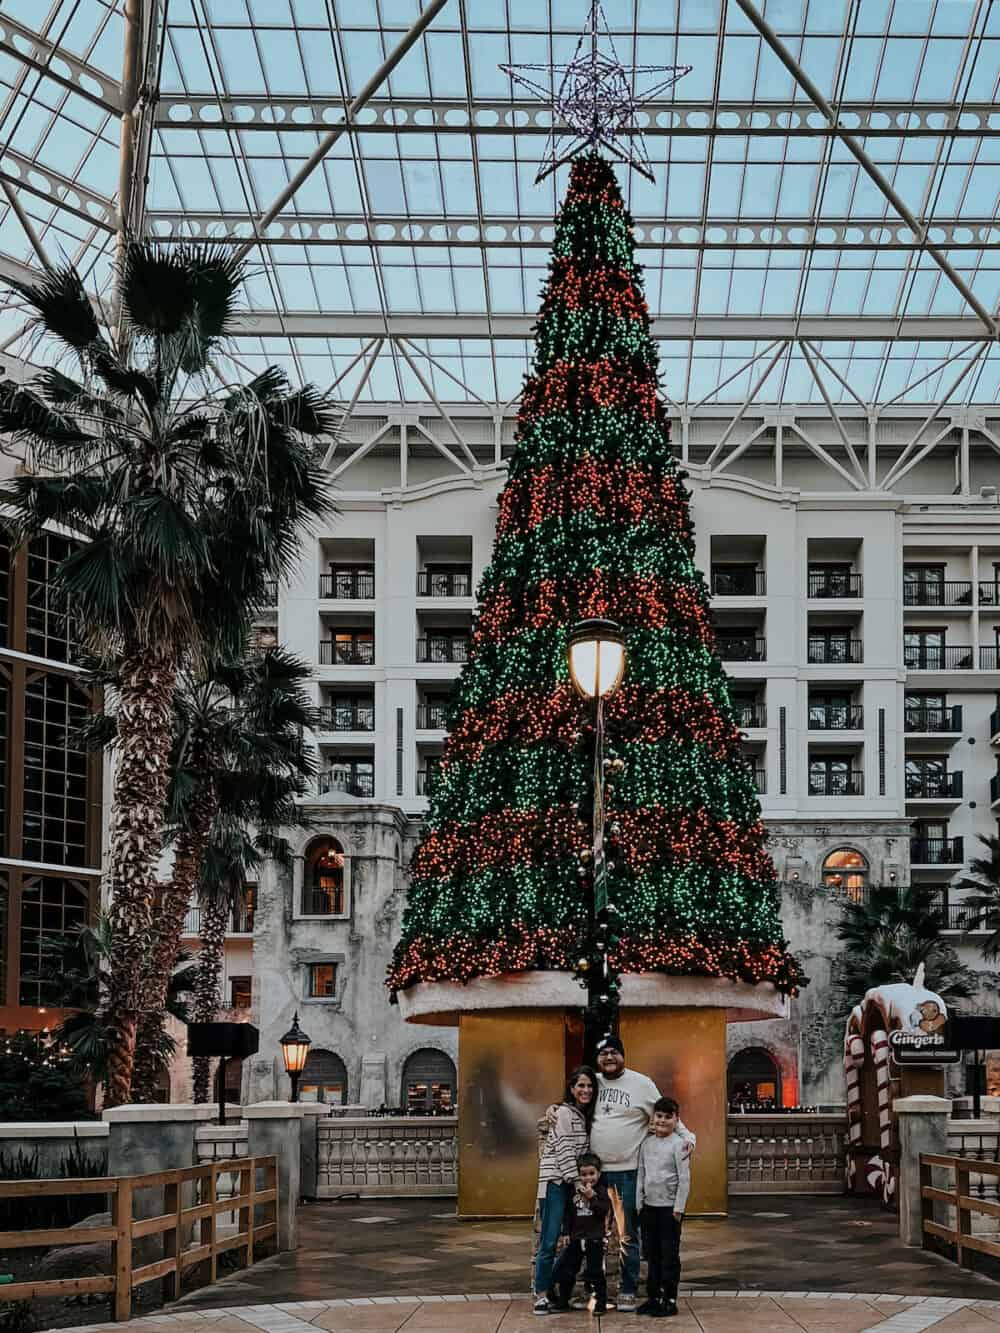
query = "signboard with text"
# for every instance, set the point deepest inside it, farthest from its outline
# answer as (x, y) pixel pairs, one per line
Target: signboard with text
(913, 1047)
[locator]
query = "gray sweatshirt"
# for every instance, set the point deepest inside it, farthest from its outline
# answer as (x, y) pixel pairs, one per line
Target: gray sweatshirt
(664, 1176)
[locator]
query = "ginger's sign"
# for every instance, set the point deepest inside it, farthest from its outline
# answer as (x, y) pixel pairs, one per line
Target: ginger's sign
(911, 1046)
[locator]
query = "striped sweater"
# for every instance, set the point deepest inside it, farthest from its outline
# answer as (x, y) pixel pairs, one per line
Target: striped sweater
(564, 1143)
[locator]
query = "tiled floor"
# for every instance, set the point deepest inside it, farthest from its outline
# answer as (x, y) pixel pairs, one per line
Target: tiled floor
(700, 1312)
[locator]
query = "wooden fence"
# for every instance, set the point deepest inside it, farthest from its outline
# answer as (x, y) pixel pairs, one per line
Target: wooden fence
(962, 1204)
(175, 1224)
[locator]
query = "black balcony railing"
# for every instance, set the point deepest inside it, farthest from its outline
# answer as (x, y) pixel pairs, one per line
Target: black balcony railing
(452, 583)
(741, 647)
(434, 649)
(836, 717)
(348, 585)
(937, 657)
(760, 780)
(934, 592)
(833, 652)
(240, 921)
(751, 715)
(989, 592)
(738, 582)
(962, 916)
(937, 851)
(989, 657)
(826, 583)
(432, 717)
(932, 785)
(347, 717)
(995, 722)
(837, 783)
(347, 784)
(933, 719)
(995, 787)
(333, 652)
(425, 780)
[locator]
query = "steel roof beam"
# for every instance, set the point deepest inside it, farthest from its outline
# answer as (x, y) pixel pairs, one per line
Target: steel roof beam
(715, 328)
(772, 39)
(518, 233)
(58, 190)
(656, 119)
(59, 64)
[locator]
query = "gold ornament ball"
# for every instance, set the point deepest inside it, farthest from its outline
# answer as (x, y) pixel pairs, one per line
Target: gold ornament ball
(618, 766)
(586, 855)
(583, 965)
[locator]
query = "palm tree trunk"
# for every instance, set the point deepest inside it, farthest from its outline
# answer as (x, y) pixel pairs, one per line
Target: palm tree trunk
(142, 775)
(214, 919)
(189, 853)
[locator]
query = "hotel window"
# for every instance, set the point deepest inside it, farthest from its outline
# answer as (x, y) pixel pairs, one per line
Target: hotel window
(324, 888)
(240, 989)
(846, 869)
(49, 630)
(323, 981)
(52, 909)
(55, 773)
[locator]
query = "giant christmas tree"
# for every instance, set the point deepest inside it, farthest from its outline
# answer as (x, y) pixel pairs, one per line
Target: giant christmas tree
(594, 522)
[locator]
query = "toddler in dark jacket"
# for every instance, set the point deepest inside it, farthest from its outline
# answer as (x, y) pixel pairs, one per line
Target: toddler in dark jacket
(586, 1222)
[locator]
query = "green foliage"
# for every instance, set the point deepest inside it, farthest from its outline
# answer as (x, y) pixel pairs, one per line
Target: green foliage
(56, 1211)
(984, 904)
(885, 938)
(37, 1081)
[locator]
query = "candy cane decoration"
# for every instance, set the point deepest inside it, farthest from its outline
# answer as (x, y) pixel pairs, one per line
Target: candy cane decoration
(880, 1054)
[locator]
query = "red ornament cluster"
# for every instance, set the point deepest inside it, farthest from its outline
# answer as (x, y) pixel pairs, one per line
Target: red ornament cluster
(611, 289)
(621, 494)
(579, 385)
(647, 603)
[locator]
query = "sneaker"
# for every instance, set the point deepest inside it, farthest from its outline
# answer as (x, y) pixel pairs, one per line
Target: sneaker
(557, 1305)
(626, 1302)
(541, 1305)
(669, 1308)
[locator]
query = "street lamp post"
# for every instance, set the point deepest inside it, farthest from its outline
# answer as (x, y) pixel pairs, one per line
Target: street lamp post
(596, 657)
(294, 1049)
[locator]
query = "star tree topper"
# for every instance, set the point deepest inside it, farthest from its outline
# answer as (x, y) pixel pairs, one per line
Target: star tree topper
(596, 99)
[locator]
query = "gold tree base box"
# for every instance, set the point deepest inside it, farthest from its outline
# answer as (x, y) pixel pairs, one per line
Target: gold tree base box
(518, 1037)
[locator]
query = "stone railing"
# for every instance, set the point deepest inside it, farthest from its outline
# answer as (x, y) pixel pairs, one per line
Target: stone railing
(787, 1154)
(221, 1143)
(390, 1156)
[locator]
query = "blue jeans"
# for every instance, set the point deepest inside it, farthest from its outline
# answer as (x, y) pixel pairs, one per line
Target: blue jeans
(553, 1210)
(624, 1183)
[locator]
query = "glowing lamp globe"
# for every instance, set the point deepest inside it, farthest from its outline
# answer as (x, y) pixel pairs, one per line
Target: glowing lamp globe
(295, 1050)
(596, 655)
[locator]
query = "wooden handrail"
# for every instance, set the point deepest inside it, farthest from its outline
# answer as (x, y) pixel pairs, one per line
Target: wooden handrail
(171, 1224)
(961, 1200)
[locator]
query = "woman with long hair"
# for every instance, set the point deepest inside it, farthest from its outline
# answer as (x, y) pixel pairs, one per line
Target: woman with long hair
(567, 1138)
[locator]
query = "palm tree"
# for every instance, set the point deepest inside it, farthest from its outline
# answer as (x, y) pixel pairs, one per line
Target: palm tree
(185, 502)
(239, 726)
(887, 936)
(984, 907)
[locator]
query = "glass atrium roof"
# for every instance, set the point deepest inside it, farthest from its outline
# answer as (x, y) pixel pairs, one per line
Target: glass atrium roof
(407, 266)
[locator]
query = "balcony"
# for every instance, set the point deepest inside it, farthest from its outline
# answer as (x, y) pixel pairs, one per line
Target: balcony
(353, 784)
(738, 582)
(837, 784)
(348, 585)
(240, 921)
(760, 781)
(989, 592)
(334, 653)
(826, 583)
(439, 649)
(426, 778)
(836, 717)
(995, 791)
(937, 851)
(938, 657)
(750, 715)
(432, 717)
(995, 727)
(451, 583)
(933, 785)
(937, 593)
(271, 592)
(347, 717)
(741, 647)
(932, 720)
(964, 918)
(834, 652)
(989, 657)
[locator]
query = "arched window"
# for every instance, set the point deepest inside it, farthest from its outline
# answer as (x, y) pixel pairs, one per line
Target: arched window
(429, 1082)
(324, 1079)
(324, 884)
(847, 870)
(754, 1080)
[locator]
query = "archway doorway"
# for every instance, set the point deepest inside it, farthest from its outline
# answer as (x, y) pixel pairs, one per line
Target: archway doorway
(428, 1084)
(754, 1081)
(846, 869)
(324, 1079)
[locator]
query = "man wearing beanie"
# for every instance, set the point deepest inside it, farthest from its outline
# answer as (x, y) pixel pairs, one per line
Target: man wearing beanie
(625, 1101)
